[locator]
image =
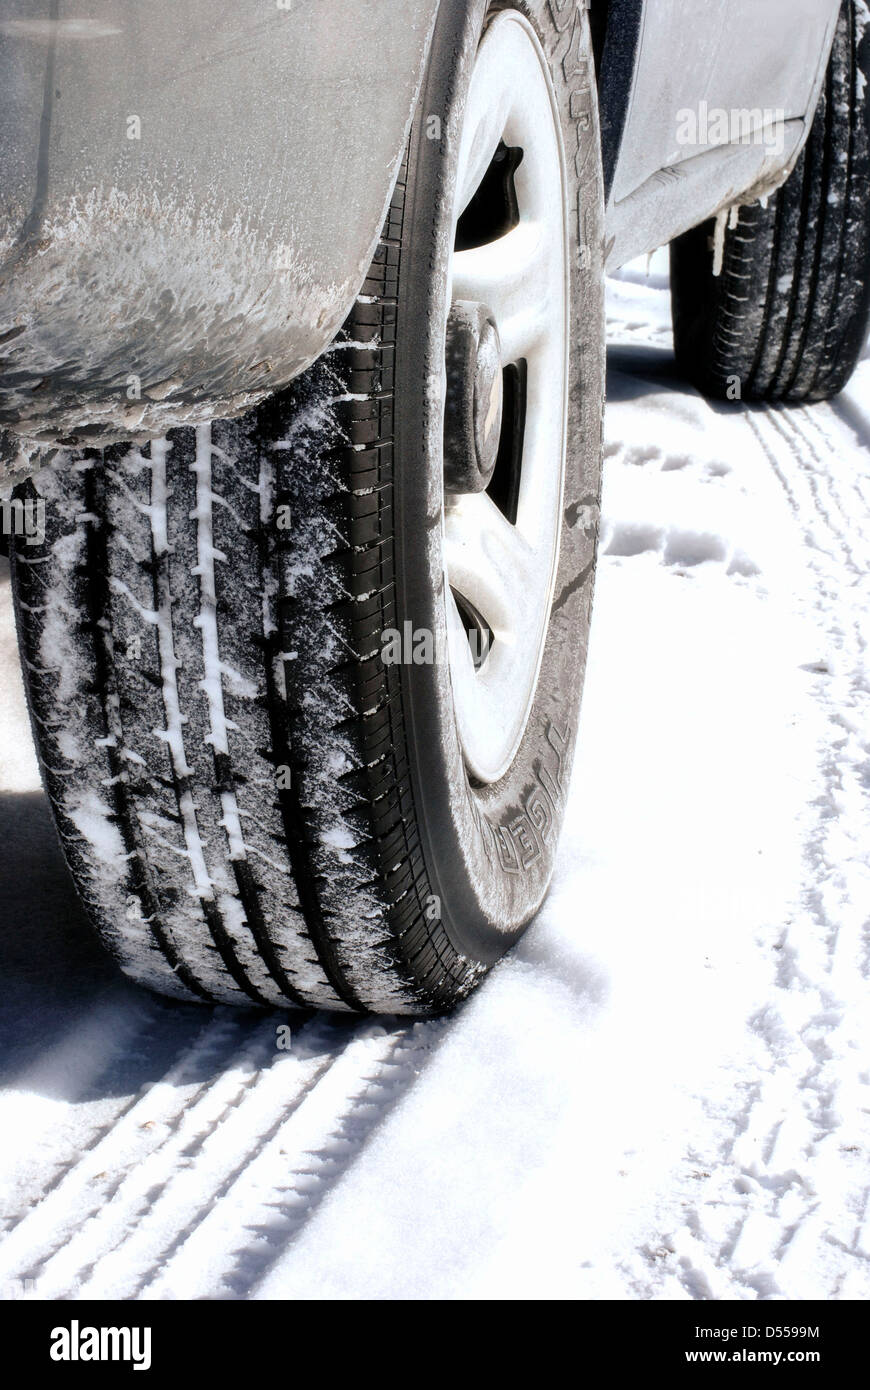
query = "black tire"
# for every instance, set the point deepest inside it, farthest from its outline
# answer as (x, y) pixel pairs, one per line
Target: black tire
(787, 318)
(375, 877)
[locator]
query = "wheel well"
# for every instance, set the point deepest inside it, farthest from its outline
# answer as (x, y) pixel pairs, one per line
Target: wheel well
(598, 18)
(616, 30)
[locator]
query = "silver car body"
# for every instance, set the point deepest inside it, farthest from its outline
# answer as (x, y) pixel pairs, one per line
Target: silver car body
(191, 191)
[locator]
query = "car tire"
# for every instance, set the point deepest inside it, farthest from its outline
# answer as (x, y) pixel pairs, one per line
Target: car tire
(787, 318)
(243, 644)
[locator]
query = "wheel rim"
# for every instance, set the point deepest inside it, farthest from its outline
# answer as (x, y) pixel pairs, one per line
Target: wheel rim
(501, 545)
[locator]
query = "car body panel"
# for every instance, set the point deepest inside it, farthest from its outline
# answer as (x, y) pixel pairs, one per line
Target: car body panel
(756, 59)
(191, 194)
(669, 203)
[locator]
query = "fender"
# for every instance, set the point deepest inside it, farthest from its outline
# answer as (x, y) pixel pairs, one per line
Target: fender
(190, 196)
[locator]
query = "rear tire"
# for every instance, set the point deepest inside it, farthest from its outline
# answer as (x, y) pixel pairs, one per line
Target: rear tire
(257, 806)
(787, 318)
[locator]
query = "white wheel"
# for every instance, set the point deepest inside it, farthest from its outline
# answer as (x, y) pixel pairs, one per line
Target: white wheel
(501, 542)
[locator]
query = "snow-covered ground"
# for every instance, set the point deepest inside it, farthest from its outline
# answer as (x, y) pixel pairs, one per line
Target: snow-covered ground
(665, 1091)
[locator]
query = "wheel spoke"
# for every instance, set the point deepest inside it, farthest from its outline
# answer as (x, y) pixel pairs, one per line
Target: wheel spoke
(490, 564)
(507, 276)
(486, 112)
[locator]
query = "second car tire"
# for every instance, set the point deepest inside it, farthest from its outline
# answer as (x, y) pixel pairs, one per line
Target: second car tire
(787, 318)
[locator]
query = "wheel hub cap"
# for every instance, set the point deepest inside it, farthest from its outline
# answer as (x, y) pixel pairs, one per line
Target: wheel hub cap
(474, 405)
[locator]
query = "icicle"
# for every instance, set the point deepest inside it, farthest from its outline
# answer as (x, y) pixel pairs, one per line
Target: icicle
(727, 220)
(719, 242)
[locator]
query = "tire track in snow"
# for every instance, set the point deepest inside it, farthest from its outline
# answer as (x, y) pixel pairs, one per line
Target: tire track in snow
(134, 1133)
(828, 422)
(192, 1164)
(783, 1137)
(278, 1192)
(29, 1104)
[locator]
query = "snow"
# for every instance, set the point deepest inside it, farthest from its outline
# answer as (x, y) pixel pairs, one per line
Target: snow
(206, 622)
(173, 735)
(92, 817)
(663, 1093)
